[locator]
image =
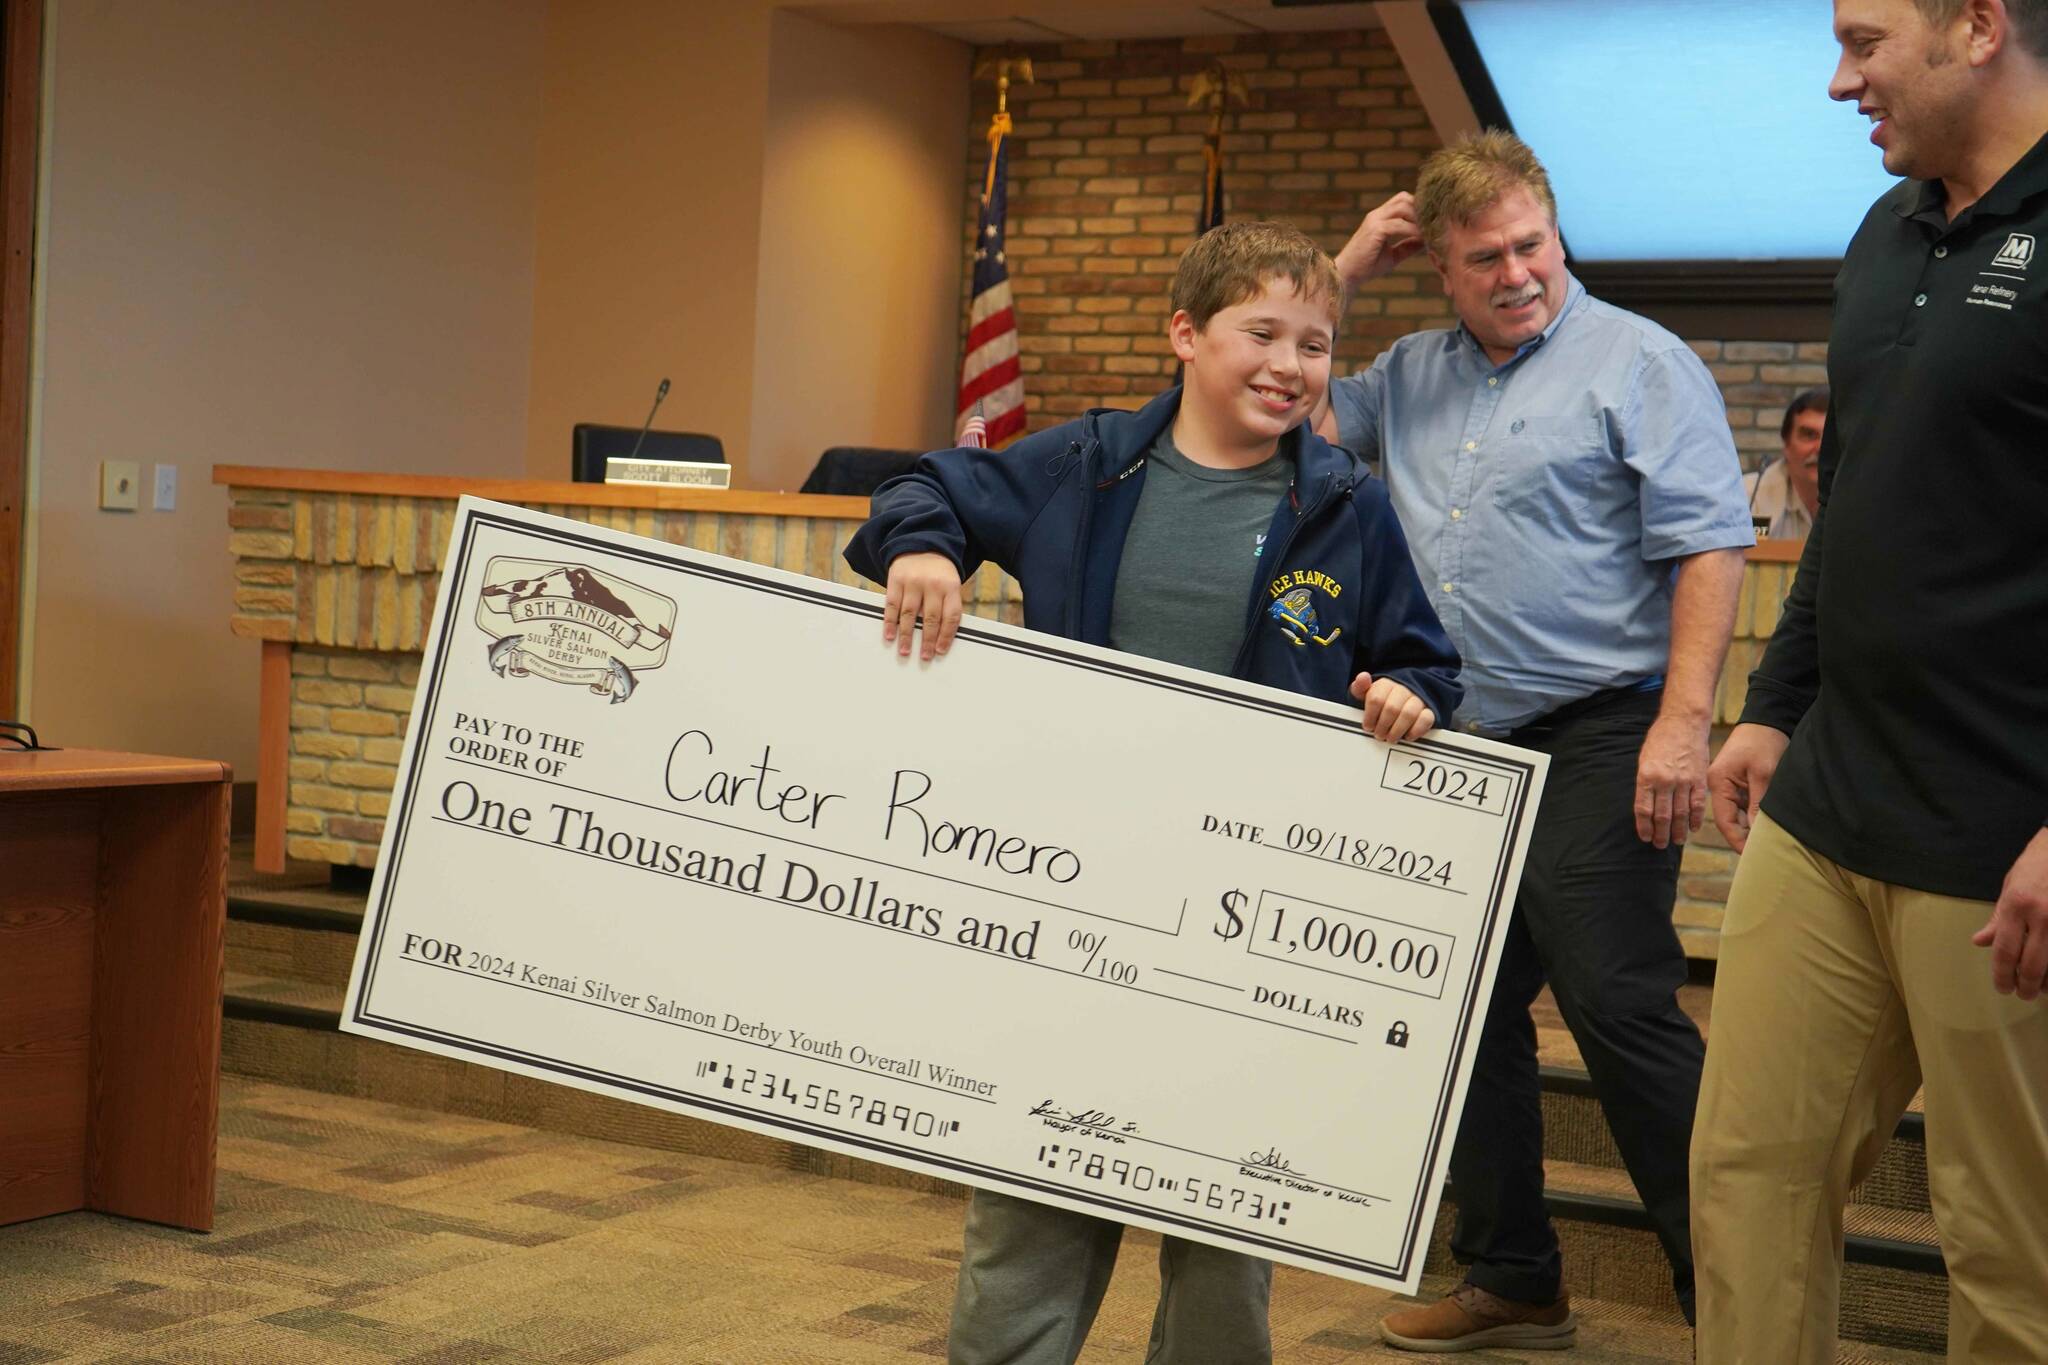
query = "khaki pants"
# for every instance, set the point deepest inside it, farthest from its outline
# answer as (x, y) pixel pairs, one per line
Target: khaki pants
(1837, 996)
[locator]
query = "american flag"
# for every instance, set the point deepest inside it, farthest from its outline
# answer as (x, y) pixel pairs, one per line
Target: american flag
(989, 376)
(975, 431)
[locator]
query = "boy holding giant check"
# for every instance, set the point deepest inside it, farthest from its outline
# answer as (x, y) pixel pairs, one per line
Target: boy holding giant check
(1212, 529)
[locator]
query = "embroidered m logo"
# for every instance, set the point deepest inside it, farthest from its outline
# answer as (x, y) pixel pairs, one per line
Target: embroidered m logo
(2017, 252)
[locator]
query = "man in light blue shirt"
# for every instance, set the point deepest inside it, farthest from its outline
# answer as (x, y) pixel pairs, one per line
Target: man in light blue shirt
(1573, 502)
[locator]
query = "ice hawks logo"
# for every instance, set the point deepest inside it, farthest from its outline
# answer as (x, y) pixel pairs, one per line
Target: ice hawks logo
(1294, 605)
(570, 623)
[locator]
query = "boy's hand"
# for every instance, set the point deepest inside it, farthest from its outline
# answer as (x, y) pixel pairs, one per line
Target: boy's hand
(924, 585)
(1392, 712)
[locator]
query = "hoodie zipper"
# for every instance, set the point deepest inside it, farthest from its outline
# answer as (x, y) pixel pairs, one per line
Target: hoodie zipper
(1075, 597)
(1301, 519)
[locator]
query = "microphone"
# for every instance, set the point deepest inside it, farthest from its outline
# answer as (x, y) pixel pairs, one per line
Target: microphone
(659, 394)
(1761, 470)
(1761, 525)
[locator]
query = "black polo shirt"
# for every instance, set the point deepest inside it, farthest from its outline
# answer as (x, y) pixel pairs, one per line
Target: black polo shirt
(1911, 662)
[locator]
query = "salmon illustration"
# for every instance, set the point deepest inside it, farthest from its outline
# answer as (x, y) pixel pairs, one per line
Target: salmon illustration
(618, 680)
(506, 658)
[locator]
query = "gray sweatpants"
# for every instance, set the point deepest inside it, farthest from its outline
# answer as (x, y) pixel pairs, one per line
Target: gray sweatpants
(1032, 1277)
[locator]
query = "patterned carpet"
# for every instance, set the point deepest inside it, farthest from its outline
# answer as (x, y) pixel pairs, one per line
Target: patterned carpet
(354, 1231)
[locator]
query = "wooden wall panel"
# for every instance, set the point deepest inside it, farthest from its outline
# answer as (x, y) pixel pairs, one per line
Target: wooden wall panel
(20, 93)
(157, 1004)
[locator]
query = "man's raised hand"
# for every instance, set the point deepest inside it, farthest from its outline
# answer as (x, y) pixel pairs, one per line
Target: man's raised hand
(1389, 235)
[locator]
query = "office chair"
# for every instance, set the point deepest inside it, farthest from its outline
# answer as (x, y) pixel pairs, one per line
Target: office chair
(857, 470)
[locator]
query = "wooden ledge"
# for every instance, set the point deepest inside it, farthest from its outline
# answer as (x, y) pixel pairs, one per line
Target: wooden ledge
(541, 492)
(1775, 552)
(63, 769)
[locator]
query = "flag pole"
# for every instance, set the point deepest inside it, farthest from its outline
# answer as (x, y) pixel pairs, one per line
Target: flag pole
(1217, 88)
(990, 406)
(999, 126)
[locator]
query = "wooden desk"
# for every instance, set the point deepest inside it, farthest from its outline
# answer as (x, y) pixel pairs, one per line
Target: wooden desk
(113, 904)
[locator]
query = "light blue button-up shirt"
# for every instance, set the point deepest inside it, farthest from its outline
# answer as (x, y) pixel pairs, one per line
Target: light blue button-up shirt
(1543, 499)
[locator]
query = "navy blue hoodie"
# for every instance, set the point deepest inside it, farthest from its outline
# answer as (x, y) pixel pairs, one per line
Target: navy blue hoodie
(1336, 593)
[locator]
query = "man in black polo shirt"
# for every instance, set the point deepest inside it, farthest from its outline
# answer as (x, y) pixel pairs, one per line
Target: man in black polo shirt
(1888, 926)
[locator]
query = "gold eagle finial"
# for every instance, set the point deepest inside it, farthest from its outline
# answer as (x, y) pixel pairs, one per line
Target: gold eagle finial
(1005, 70)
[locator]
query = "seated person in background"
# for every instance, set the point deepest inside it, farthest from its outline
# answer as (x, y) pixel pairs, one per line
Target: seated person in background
(1785, 493)
(1214, 529)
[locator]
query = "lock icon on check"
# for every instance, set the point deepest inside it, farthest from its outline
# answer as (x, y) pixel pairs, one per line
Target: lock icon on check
(1397, 1036)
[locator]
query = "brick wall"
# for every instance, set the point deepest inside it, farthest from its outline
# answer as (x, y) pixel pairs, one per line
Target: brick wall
(1757, 379)
(1106, 181)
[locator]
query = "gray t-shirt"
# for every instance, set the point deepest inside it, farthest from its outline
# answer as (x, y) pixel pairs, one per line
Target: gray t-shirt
(1191, 557)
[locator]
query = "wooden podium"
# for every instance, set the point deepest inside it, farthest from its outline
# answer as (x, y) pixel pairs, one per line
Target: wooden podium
(113, 903)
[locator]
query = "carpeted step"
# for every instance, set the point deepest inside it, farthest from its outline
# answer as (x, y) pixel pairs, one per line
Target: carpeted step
(291, 927)
(1575, 1130)
(1894, 1291)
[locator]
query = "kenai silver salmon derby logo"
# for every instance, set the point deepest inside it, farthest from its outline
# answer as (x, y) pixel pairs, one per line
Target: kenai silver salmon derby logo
(569, 623)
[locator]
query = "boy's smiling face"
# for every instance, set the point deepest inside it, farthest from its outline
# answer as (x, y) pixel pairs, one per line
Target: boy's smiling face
(1260, 367)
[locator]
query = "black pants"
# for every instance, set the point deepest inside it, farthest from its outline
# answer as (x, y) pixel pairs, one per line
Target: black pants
(1594, 919)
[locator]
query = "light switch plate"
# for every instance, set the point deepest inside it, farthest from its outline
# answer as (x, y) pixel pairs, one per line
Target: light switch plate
(120, 485)
(166, 499)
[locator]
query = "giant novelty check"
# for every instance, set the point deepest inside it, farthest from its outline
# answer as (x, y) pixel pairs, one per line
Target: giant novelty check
(1138, 940)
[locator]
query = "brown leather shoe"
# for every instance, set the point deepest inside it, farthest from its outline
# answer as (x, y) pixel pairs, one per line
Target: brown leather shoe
(1469, 1318)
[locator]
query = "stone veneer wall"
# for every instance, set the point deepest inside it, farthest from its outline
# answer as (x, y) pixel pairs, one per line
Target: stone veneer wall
(350, 581)
(349, 710)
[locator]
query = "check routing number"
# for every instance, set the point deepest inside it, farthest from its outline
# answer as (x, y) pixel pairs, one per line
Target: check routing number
(1192, 954)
